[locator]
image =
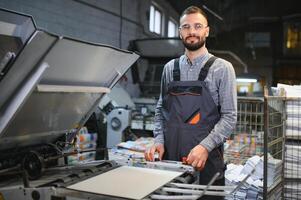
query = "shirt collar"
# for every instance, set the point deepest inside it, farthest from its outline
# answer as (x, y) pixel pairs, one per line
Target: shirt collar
(197, 60)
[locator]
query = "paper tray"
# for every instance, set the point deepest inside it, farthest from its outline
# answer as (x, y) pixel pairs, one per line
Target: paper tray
(127, 182)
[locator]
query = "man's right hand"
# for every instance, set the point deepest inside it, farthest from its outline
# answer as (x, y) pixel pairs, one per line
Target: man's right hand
(149, 153)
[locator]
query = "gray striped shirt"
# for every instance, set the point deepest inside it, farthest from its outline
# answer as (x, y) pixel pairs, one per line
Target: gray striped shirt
(221, 82)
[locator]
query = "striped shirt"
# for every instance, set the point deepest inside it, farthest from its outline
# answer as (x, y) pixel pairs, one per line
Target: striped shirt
(221, 82)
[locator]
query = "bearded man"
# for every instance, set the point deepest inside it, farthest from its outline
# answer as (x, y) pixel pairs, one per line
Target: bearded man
(197, 108)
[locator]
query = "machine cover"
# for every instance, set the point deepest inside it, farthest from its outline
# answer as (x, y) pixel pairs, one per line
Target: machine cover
(52, 84)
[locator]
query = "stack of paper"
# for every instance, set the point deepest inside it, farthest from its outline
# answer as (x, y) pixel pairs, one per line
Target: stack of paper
(252, 188)
(255, 163)
(141, 144)
(293, 160)
(292, 172)
(277, 193)
(125, 156)
(293, 121)
(85, 141)
(292, 166)
(274, 171)
(292, 190)
(290, 90)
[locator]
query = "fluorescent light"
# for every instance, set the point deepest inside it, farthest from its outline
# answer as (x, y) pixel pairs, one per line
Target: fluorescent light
(246, 80)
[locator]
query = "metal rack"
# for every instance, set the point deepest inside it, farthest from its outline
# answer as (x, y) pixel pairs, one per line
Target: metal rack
(259, 131)
(292, 156)
(274, 123)
(247, 140)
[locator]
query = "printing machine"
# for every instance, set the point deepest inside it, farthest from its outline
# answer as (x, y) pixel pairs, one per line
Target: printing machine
(49, 87)
(117, 106)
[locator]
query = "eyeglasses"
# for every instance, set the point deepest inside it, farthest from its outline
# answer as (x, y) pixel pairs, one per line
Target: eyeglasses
(197, 27)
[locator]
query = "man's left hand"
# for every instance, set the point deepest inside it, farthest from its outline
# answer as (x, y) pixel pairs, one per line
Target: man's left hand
(197, 157)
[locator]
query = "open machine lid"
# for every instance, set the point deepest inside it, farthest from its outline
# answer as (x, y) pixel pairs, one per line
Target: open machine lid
(158, 47)
(52, 84)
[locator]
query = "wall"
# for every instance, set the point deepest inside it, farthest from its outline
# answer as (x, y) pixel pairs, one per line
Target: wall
(110, 22)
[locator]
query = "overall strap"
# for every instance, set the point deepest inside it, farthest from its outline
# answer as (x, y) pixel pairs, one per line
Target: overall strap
(176, 70)
(205, 69)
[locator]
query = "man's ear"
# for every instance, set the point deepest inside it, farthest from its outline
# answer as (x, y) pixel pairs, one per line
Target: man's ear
(207, 33)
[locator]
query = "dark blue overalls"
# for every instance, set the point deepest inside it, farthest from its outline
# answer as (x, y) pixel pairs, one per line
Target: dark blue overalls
(190, 114)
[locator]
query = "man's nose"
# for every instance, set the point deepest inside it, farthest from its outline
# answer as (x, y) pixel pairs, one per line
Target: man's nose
(191, 30)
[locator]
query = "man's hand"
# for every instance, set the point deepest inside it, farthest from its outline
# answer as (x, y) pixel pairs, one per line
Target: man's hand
(149, 154)
(197, 157)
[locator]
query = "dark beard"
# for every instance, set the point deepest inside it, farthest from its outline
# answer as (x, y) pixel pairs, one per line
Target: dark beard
(194, 46)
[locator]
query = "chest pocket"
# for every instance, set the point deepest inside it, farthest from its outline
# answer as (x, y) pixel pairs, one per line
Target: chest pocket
(185, 90)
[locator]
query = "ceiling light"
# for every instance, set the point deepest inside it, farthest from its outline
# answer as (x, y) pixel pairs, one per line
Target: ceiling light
(246, 80)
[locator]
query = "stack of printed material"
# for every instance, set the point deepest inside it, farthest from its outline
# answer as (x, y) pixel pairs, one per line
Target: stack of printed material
(252, 188)
(293, 109)
(125, 156)
(293, 160)
(141, 144)
(131, 152)
(292, 172)
(274, 171)
(292, 190)
(254, 163)
(290, 90)
(85, 142)
(292, 167)
(277, 193)
(293, 121)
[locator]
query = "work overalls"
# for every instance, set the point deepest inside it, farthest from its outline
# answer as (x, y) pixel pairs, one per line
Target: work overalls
(190, 114)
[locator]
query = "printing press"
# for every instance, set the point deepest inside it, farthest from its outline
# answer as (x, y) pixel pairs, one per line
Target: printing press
(49, 86)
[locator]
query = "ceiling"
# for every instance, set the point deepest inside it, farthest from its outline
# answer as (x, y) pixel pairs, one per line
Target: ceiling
(231, 14)
(229, 20)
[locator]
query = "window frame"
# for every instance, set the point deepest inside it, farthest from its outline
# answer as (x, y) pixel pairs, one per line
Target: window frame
(176, 25)
(153, 11)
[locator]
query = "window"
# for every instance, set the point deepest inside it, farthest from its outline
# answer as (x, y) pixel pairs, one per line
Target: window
(155, 20)
(172, 28)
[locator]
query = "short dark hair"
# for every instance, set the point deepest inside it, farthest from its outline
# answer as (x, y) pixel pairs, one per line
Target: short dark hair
(192, 10)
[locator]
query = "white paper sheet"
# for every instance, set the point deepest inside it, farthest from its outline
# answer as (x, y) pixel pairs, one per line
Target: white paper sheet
(127, 182)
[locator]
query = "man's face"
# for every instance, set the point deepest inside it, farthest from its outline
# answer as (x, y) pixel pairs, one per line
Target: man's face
(193, 31)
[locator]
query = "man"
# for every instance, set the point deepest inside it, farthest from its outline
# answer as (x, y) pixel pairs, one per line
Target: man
(197, 107)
